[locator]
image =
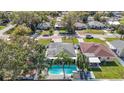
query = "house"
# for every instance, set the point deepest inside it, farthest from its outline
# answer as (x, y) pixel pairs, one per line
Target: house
(117, 14)
(59, 26)
(96, 25)
(80, 26)
(89, 19)
(59, 19)
(96, 53)
(118, 47)
(55, 48)
(113, 21)
(44, 26)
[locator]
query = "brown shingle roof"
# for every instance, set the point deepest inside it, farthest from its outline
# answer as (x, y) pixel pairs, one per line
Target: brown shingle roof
(98, 50)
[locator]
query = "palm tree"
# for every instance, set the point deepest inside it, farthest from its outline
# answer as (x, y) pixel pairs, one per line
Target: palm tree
(121, 31)
(63, 58)
(81, 62)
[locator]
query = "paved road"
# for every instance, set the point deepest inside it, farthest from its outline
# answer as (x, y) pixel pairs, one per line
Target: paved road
(121, 61)
(4, 36)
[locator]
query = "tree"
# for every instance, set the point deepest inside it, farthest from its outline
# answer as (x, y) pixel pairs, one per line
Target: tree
(53, 21)
(62, 59)
(121, 31)
(20, 54)
(51, 32)
(69, 21)
(22, 30)
(81, 61)
(97, 17)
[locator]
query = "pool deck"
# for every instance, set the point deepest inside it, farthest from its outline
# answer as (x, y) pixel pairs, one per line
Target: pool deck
(54, 77)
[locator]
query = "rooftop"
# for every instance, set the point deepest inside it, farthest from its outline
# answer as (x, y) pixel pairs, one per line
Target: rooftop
(55, 48)
(98, 50)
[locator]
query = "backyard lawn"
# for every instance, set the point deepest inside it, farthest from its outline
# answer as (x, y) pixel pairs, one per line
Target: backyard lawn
(112, 70)
(96, 40)
(2, 27)
(111, 39)
(45, 41)
(70, 40)
(90, 31)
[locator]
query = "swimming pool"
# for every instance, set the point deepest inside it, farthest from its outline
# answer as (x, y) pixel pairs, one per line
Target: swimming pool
(57, 69)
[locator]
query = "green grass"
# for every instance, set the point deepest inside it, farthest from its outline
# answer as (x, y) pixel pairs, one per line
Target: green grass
(45, 41)
(111, 39)
(91, 31)
(2, 27)
(62, 32)
(45, 33)
(70, 40)
(112, 70)
(96, 40)
(122, 21)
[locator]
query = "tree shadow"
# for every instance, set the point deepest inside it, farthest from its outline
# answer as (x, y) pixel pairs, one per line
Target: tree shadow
(96, 69)
(110, 63)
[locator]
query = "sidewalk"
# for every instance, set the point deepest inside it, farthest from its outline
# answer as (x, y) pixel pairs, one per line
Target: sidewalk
(121, 61)
(80, 40)
(57, 39)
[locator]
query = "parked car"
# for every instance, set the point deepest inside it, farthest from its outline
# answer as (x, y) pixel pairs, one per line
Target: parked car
(35, 35)
(89, 36)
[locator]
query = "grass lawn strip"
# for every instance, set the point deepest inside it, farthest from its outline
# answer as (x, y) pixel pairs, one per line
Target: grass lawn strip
(45, 41)
(2, 27)
(91, 31)
(96, 40)
(70, 40)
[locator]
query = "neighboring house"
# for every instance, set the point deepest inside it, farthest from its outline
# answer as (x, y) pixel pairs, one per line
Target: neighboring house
(44, 26)
(4, 22)
(117, 14)
(113, 21)
(89, 19)
(96, 52)
(55, 48)
(59, 19)
(80, 26)
(59, 26)
(118, 47)
(96, 25)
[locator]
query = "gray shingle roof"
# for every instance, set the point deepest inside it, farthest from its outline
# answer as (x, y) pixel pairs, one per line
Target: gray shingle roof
(96, 24)
(55, 48)
(119, 44)
(80, 25)
(44, 25)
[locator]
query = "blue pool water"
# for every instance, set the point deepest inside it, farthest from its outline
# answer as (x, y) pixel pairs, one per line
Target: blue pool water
(57, 69)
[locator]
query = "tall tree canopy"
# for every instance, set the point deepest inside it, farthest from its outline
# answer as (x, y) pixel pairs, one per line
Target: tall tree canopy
(21, 54)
